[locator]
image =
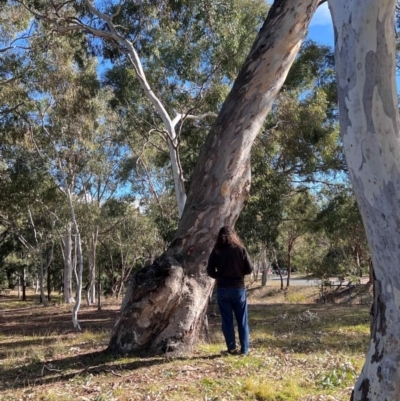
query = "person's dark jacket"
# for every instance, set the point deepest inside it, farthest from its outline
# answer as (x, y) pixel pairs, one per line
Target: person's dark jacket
(228, 265)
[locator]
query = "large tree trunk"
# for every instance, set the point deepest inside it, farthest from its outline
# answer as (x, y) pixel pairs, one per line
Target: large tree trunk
(165, 303)
(369, 121)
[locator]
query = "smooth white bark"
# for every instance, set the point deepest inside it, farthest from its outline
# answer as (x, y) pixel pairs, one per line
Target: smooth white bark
(369, 121)
(67, 255)
(134, 58)
(78, 247)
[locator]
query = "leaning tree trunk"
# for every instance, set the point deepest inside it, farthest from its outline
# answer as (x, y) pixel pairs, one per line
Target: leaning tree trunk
(369, 121)
(165, 303)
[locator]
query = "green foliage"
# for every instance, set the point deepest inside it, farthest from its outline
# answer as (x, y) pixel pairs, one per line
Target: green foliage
(340, 221)
(296, 155)
(165, 217)
(340, 377)
(103, 139)
(191, 53)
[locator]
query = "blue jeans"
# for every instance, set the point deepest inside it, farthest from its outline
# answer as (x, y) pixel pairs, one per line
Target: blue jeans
(234, 300)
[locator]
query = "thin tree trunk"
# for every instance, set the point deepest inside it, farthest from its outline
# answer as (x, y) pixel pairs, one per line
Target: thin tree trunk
(48, 284)
(66, 248)
(369, 121)
(99, 290)
(50, 259)
(264, 269)
(79, 263)
(91, 249)
(23, 284)
(123, 267)
(277, 267)
(357, 261)
(43, 299)
(289, 269)
(164, 307)
(78, 301)
(120, 287)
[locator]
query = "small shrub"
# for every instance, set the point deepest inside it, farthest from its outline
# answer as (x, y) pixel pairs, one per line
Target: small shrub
(340, 377)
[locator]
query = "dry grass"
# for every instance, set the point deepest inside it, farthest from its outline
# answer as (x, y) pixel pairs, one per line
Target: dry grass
(301, 351)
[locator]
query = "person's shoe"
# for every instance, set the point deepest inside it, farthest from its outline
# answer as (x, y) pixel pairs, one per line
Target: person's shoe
(233, 351)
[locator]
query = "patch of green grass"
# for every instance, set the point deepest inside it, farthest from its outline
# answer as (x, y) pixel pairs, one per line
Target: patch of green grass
(295, 297)
(263, 390)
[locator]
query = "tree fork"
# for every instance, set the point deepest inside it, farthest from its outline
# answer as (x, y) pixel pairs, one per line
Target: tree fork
(165, 302)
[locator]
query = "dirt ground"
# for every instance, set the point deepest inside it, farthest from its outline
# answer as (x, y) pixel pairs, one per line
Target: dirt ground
(36, 319)
(43, 358)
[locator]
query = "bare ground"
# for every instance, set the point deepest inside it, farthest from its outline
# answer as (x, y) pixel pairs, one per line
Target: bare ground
(43, 358)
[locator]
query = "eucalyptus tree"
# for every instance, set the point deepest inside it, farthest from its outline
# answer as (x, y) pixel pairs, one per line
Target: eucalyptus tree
(66, 126)
(298, 215)
(77, 140)
(165, 302)
(184, 55)
(340, 221)
(22, 178)
(101, 181)
(298, 150)
(365, 51)
(131, 243)
(14, 67)
(30, 229)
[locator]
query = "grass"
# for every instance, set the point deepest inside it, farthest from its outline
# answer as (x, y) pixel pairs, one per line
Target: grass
(300, 351)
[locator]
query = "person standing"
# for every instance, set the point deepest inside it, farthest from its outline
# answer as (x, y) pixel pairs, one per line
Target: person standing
(228, 263)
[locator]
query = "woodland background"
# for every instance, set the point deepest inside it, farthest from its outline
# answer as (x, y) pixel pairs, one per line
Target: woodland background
(79, 134)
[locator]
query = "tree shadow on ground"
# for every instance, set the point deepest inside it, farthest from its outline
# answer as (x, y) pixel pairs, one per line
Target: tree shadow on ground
(307, 328)
(95, 363)
(57, 322)
(7, 347)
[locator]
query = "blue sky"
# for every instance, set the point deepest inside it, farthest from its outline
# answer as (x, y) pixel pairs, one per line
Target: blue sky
(321, 29)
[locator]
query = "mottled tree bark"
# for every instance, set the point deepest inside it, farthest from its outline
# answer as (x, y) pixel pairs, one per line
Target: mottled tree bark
(369, 121)
(165, 303)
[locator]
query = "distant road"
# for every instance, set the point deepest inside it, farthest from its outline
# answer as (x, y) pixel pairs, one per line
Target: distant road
(296, 280)
(309, 282)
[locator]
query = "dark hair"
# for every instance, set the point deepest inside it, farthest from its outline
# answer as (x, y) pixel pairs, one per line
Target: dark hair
(227, 236)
